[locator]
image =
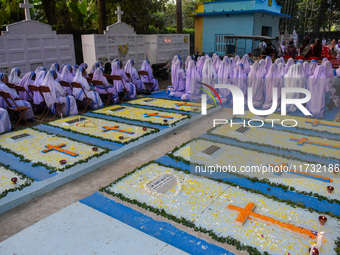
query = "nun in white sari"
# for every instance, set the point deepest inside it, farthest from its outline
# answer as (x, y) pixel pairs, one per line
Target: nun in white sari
(293, 79)
(37, 98)
(55, 67)
(146, 67)
(223, 77)
(99, 76)
(117, 70)
(14, 76)
(256, 81)
(192, 83)
(318, 86)
(209, 76)
(273, 80)
(5, 122)
(79, 94)
(28, 79)
(58, 95)
(240, 80)
(28, 114)
(134, 75)
(177, 80)
(313, 65)
(67, 76)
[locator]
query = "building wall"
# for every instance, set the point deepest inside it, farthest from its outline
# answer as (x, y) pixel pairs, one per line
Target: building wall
(266, 20)
(220, 6)
(235, 24)
(265, 5)
(29, 44)
(199, 33)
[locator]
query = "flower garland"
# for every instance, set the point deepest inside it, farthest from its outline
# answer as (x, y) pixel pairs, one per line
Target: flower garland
(51, 168)
(102, 112)
(157, 194)
(123, 51)
(153, 130)
(211, 132)
(229, 240)
(155, 104)
(27, 182)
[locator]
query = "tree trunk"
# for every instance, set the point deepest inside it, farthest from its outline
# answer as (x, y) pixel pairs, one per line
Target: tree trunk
(179, 16)
(101, 16)
(49, 8)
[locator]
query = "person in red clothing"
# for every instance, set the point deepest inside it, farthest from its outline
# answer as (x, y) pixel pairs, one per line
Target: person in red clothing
(317, 49)
(291, 49)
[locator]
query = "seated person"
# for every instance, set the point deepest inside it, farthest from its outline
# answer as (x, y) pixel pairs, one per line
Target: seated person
(5, 122)
(29, 113)
(99, 76)
(79, 93)
(117, 69)
(178, 80)
(134, 75)
(146, 79)
(317, 49)
(58, 95)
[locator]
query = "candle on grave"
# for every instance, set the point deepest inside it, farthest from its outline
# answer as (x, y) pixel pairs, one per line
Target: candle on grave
(322, 220)
(313, 250)
(14, 180)
(61, 115)
(330, 189)
(319, 240)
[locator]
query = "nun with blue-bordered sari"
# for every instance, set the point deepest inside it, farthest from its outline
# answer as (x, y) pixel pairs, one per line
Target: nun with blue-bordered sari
(28, 114)
(58, 95)
(79, 93)
(5, 122)
(99, 76)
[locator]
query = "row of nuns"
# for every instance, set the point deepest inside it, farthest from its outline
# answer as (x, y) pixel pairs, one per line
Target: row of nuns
(66, 95)
(321, 80)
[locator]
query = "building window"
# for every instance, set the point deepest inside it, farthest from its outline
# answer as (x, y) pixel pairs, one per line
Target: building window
(220, 43)
(266, 31)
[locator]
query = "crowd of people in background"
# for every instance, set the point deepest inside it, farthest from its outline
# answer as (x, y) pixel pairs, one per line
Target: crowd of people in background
(309, 50)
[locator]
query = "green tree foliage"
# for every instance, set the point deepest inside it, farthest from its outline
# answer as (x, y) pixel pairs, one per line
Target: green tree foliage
(148, 16)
